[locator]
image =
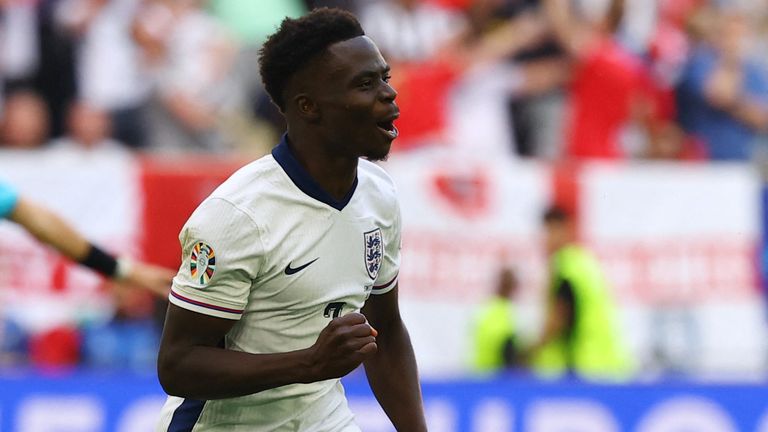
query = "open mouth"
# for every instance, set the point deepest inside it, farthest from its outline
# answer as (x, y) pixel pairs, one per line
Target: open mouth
(389, 129)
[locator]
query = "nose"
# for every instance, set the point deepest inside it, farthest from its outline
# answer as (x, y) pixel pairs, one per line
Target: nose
(388, 93)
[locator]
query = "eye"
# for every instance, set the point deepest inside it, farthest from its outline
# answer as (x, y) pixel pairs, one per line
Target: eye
(386, 78)
(366, 83)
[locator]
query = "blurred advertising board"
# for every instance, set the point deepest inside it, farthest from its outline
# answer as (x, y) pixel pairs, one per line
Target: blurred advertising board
(92, 402)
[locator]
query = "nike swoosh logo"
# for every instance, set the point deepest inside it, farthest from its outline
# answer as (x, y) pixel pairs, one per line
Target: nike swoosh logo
(289, 271)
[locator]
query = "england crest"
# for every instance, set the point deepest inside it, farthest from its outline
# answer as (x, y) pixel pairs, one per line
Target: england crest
(374, 251)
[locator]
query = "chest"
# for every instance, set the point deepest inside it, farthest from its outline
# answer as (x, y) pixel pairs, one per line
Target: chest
(324, 265)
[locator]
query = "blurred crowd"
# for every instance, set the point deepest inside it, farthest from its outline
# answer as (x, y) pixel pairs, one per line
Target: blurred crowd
(550, 79)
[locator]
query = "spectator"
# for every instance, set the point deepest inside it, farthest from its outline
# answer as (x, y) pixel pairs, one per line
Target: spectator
(25, 122)
(495, 330)
(607, 82)
(581, 335)
(723, 95)
(191, 56)
(410, 31)
(109, 73)
(89, 128)
(254, 124)
(37, 56)
(506, 65)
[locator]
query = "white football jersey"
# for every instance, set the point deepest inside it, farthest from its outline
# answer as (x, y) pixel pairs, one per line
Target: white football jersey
(271, 249)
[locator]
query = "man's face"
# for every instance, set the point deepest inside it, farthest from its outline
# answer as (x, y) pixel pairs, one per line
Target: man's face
(355, 101)
(556, 235)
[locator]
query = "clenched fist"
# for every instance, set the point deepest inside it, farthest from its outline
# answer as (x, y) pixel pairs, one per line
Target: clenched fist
(342, 345)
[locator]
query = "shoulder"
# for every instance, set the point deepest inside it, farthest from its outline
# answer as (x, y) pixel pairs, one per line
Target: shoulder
(374, 181)
(379, 192)
(374, 176)
(250, 182)
(239, 194)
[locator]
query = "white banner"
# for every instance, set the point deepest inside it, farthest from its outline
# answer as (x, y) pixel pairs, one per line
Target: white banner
(99, 194)
(678, 244)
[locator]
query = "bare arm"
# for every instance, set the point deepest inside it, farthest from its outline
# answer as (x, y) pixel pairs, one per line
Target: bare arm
(392, 371)
(555, 322)
(559, 319)
(573, 35)
(724, 90)
(508, 39)
(50, 228)
(192, 363)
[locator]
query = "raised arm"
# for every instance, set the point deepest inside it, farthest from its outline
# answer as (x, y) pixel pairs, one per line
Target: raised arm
(193, 362)
(392, 371)
(576, 35)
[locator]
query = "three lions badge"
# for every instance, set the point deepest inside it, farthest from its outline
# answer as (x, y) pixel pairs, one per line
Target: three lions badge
(374, 252)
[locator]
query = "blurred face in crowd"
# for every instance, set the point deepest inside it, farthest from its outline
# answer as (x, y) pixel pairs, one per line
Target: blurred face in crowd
(88, 125)
(25, 121)
(507, 284)
(732, 34)
(557, 234)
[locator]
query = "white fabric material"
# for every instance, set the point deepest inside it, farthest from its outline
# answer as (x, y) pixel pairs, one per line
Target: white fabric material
(19, 54)
(259, 223)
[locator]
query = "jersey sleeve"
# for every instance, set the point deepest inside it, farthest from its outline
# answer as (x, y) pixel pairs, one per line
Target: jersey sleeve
(8, 199)
(390, 265)
(221, 254)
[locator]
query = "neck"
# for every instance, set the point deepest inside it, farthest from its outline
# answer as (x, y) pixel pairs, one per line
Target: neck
(334, 173)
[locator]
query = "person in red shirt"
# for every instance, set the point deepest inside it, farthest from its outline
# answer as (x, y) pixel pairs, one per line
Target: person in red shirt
(608, 83)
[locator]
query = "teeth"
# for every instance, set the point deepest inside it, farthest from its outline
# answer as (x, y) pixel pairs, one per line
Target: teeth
(390, 129)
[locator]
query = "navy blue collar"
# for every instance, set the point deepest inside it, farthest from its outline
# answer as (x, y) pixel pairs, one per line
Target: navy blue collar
(301, 178)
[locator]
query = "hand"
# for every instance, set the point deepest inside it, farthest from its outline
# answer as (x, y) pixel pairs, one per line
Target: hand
(724, 87)
(342, 345)
(154, 279)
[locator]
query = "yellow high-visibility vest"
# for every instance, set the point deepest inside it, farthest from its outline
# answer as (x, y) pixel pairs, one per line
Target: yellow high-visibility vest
(595, 349)
(494, 328)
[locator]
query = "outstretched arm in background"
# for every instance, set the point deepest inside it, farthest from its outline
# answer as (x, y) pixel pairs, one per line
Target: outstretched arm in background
(392, 371)
(51, 229)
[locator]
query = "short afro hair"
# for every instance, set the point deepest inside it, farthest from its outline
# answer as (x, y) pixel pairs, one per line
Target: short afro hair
(299, 40)
(556, 214)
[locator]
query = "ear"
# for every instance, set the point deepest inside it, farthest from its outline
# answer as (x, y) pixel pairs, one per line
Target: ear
(306, 107)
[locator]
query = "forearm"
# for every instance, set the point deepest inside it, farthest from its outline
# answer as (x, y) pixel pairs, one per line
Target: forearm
(208, 373)
(752, 114)
(393, 376)
(51, 229)
(569, 32)
(509, 39)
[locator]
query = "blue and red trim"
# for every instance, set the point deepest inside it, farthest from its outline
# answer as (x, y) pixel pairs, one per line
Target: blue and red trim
(386, 285)
(206, 305)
